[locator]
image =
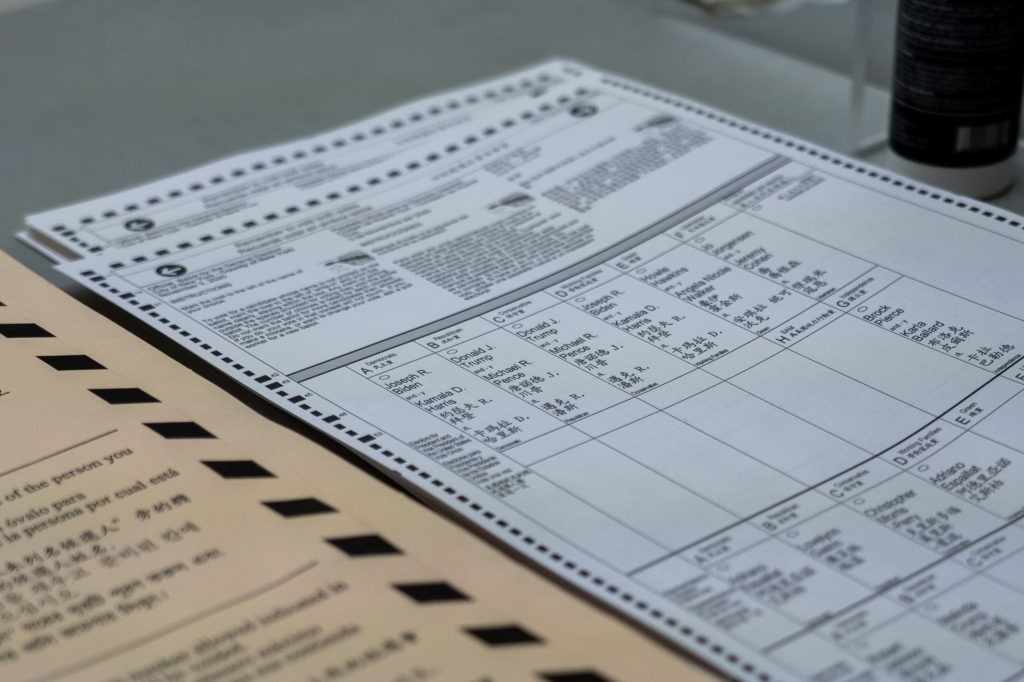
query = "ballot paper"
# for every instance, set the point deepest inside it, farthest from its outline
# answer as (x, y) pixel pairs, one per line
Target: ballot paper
(252, 184)
(152, 528)
(759, 397)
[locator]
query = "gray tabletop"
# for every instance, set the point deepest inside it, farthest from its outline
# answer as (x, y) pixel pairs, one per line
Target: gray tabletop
(97, 95)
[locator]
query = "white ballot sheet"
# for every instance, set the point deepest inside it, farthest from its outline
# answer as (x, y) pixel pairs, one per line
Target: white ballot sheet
(755, 395)
(195, 204)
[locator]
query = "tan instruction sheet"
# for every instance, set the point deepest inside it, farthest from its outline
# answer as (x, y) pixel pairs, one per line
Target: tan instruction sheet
(153, 528)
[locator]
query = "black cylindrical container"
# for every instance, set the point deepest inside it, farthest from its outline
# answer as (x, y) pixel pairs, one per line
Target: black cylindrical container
(957, 92)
